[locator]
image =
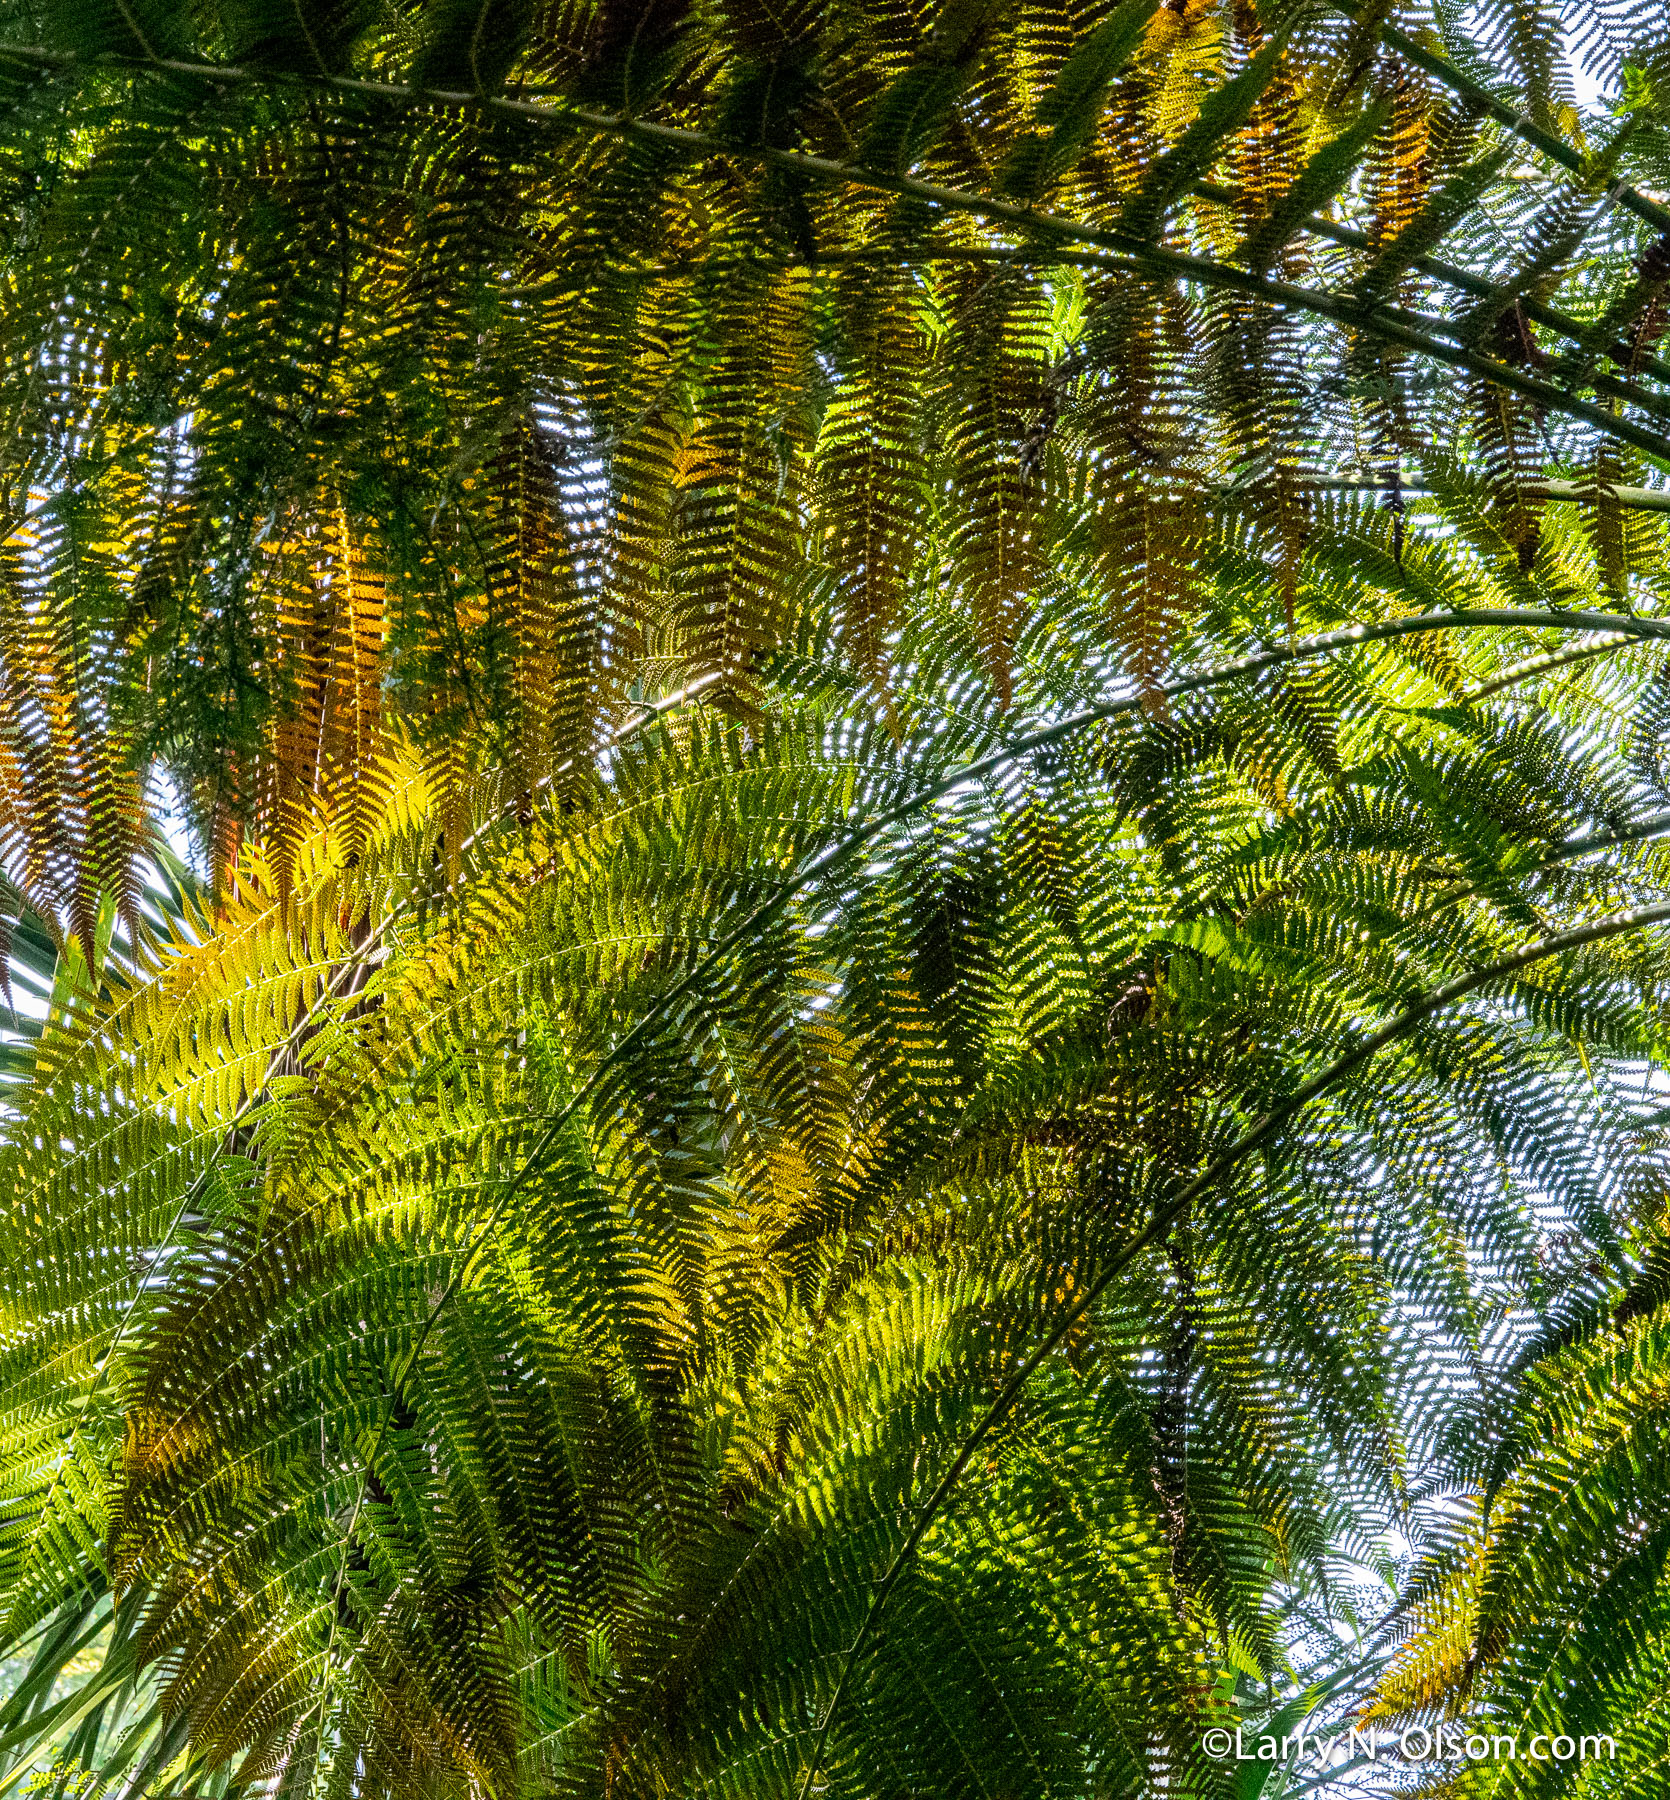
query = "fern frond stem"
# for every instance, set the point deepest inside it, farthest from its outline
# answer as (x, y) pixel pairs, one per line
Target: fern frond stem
(299, 13)
(1476, 287)
(1142, 256)
(1169, 1212)
(1571, 850)
(1542, 665)
(1581, 493)
(1447, 274)
(1412, 330)
(1654, 825)
(1382, 322)
(134, 26)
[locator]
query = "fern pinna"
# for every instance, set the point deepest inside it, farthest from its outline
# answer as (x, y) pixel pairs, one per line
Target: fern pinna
(919, 1024)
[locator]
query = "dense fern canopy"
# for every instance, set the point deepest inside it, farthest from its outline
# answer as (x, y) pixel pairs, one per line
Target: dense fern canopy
(833, 845)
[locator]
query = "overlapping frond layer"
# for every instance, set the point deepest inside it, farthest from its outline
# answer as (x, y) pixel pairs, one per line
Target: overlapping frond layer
(449, 1434)
(517, 1287)
(591, 340)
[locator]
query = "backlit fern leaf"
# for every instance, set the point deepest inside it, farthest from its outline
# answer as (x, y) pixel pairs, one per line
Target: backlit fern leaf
(899, 1025)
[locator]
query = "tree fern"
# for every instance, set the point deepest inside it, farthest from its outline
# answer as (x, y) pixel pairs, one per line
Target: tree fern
(925, 756)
